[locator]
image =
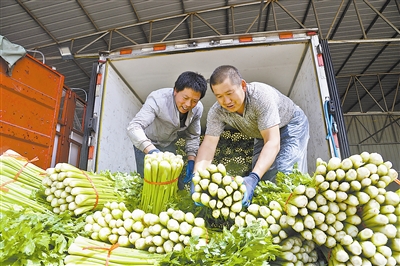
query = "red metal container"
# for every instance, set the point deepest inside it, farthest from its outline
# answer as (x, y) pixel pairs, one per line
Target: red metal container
(29, 106)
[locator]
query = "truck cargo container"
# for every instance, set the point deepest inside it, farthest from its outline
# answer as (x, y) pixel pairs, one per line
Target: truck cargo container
(295, 62)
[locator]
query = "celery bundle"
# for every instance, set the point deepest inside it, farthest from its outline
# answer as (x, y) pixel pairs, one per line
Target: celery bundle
(20, 169)
(296, 250)
(19, 180)
(85, 251)
(161, 172)
(352, 212)
(271, 217)
(219, 191)
(68, 188)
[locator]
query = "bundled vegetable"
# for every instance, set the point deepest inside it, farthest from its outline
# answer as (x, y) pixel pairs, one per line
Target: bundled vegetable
(20, 179)
(296, 250)
(222, 193)
(359, 214)
(169, 231)
(271, 217)
(19, 168)
(85, 251)
(68, 188)
(161, 173)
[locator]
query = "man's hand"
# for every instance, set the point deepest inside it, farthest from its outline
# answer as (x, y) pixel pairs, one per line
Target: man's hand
(189, 172)
(250, 182)
(154, 151)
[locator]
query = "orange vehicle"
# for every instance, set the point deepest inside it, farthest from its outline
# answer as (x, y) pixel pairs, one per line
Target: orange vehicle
(38, 113)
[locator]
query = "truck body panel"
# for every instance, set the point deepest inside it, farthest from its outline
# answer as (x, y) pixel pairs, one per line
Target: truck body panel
(292, 65)
(30, 102)
(115, 148)
(40, 118)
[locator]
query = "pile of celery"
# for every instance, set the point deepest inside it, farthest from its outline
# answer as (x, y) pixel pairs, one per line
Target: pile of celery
(344, 210)
(161, 173)
(68, 188)
(360, 217)
(169, 230)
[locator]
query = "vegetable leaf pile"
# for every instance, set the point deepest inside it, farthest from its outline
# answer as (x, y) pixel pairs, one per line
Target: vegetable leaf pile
(127, 186)
(288, 182)
(250, 245)
(29, 238)
(267, 191)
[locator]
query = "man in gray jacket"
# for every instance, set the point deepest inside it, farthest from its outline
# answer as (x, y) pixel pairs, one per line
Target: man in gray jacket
(168, 114)
(279, 127)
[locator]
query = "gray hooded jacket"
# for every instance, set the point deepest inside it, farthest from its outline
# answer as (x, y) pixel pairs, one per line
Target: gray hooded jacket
(157, 122)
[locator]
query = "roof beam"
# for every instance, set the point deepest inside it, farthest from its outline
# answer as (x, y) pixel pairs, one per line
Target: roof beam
(267, 15)
(303, 21)
(92, 21)
(372, 86)
(171, 31)
(316, 19)
(290, 14)
(379, 13)
(260, 15)
(49, 33)
(138, 19)
(366, 32)
(227, 11)
(208, 24)
(37, 21)
(189, 27)
(330, 36)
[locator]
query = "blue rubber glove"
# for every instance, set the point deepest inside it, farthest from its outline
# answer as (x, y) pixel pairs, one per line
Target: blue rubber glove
(153, 150)
(250, 182)
(189, 172)
(191, 188)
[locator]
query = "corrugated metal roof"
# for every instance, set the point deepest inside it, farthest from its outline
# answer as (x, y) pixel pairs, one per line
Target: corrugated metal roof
(363, 35)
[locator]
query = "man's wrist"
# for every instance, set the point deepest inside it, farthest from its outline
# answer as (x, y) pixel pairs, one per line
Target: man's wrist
(255, 175)
(153, 150)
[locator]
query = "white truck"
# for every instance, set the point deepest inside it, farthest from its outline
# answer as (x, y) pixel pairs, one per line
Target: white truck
(295, 62)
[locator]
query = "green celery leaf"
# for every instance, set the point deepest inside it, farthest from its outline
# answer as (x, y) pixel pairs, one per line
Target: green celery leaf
(31, 238)
(247, 246)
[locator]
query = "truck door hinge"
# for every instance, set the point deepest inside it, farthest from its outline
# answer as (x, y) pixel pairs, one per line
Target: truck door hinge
(92, 124)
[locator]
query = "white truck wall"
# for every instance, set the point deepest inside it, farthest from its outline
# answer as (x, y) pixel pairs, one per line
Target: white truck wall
(115, 150)
(306, 94)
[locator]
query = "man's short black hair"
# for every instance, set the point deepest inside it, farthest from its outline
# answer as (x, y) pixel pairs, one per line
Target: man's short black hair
(191, 80)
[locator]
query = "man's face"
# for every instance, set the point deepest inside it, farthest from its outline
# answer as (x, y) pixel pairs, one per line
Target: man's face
(186, 99)
(229, 96)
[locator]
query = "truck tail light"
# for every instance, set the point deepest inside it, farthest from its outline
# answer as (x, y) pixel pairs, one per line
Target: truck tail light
(246, 39)
(159, 47)
(91, 152)
(320, 60)
(99, 78)
(125, 51)
(286, 35)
